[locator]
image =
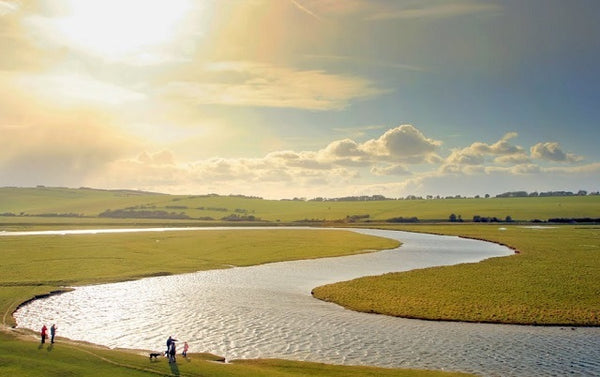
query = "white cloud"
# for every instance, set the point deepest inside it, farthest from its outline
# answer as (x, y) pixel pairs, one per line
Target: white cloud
(479, 153)
(512, 159)
(391, 170)
(551, 151)
(403, 143)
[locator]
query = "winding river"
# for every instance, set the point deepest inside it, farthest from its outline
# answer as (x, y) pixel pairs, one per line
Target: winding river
(267, 311)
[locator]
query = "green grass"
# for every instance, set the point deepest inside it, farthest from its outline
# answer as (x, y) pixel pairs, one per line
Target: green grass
(89, 202)
(75, 259)
(554, 280)
(25, 357)
(35, 265)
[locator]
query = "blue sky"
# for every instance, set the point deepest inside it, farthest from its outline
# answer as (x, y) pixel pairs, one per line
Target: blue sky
(301, 98)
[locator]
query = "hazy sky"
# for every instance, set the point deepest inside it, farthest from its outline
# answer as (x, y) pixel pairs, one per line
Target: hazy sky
(301, 98)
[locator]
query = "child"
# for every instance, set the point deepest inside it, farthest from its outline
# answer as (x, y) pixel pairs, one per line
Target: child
(185, 349)
(44, 333)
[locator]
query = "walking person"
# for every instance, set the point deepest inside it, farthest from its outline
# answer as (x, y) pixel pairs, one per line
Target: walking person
(52, 333)
(44, 333)
(185, 349)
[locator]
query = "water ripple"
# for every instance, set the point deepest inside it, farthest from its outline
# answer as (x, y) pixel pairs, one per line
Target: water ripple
(267, 311)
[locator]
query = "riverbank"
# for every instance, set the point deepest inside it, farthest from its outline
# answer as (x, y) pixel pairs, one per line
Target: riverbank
(552, 280)
(22, 355)
(40, 265)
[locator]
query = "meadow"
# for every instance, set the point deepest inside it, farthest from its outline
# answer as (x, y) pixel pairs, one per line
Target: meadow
(552, 280)
(26, 204)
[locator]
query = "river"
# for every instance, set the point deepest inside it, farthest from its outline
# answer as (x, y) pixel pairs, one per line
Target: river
(267, 311)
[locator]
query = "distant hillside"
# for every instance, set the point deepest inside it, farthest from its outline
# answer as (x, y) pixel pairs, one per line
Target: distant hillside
(21, 203)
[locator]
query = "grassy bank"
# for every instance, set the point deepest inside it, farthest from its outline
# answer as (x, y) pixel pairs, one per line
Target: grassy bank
(25, 357)
(553, 280)
(40, 264)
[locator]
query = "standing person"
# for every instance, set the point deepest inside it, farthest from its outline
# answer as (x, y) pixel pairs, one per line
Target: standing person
(169, 342)
(44, 333)
(172, 352)
(185, 349)
(52, 332)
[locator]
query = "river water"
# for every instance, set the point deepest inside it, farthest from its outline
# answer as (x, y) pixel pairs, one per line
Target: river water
(267, 311)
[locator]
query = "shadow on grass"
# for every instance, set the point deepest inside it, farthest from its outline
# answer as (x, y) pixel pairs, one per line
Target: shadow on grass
(174, 369)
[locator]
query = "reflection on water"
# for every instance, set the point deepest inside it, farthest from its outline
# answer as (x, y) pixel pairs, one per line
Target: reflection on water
(267, 311)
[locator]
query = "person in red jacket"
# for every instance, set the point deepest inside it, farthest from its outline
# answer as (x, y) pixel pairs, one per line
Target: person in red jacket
(44, 333)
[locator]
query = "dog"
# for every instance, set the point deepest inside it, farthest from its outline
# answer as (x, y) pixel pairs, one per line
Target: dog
(155, 355)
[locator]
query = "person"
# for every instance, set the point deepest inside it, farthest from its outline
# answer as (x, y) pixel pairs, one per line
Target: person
(52, 333)
(44, 333)
(172, 352)
(185, 349)
(169, 342)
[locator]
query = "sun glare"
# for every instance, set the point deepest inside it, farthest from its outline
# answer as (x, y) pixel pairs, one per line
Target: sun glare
(117, 28)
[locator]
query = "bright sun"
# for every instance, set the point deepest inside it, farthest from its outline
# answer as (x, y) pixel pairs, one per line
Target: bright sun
(118, 28)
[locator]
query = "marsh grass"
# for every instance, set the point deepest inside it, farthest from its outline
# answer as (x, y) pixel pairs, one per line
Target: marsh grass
(553, 280)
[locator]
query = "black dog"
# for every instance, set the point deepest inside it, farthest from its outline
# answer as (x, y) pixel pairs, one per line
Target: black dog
(155, 355)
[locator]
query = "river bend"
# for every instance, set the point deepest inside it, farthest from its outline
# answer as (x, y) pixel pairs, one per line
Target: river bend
(267, 311)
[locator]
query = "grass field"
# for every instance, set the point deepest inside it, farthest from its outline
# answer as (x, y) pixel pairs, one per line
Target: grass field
(89, 202)
(553, 280)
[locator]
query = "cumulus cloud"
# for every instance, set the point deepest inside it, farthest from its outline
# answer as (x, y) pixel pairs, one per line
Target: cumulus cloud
(479, 154)
(391, 170)
(551, 151)
(512, 159)
(339, 163)
(476, 153)
(403, 143)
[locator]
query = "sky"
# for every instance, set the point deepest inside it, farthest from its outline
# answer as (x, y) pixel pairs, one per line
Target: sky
(301, 98)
